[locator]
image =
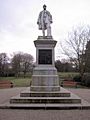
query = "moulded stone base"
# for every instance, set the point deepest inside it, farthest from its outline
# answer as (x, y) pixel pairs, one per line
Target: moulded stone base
(45, 88)
(45, 75)
(45, 80)
(45, 70)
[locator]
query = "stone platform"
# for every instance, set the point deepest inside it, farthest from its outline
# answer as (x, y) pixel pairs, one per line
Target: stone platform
(62, 99)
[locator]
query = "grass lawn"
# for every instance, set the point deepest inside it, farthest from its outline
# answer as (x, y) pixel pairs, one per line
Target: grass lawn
(18, 82)
(67, 74)
(25, 82)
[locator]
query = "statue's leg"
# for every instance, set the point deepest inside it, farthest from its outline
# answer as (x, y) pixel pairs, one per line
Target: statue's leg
(48, 30)
(43, 31)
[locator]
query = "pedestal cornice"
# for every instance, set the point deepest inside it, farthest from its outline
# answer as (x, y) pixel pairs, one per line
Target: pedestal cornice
(45, 41)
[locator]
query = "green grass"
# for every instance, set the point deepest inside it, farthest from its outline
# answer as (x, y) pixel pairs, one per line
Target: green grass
(67, 74)
(21, 82)
(18, 82)
(25, 82)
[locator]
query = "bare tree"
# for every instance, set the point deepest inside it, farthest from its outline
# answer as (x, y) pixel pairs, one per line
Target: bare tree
(3, 64)
(87, 56)
(64, 66)
(22, 62)
(16, 60)
(75, 45)
(27, 63)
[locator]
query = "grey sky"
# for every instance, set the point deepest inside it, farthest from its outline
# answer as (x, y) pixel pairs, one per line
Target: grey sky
(18, 18)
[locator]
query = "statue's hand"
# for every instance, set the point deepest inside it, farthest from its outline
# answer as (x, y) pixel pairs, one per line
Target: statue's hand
(51, 21)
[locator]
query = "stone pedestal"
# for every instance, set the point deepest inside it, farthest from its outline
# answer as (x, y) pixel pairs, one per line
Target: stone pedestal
(45, 91)
(45, 76)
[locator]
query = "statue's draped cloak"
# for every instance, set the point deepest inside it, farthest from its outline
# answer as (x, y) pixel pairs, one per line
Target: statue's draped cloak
(44, 18)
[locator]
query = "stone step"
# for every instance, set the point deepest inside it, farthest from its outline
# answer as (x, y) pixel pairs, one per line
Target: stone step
(54, 100)
(84, 106)
(70, 102)
(44, 94)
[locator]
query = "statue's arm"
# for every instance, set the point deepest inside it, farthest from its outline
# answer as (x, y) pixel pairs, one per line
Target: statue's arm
(51, 19)
(38, 20)
(39, 17)
(50, 16)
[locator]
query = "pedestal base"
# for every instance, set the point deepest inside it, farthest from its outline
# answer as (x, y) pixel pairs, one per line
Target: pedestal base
(45, 78)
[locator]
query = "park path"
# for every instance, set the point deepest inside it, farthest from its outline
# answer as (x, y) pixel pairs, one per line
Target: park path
(6, 94)
(17, 114)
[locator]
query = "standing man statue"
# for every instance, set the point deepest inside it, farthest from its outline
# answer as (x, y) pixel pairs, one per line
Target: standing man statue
(44, 21)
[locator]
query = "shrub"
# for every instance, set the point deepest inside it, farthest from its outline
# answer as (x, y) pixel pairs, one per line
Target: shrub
(86, 79)
(77, 78)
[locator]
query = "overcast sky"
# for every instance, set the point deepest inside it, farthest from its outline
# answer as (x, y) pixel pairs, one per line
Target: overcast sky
(18, 22)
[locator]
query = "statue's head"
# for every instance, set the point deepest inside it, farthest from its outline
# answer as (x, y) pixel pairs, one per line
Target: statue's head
(44, 7)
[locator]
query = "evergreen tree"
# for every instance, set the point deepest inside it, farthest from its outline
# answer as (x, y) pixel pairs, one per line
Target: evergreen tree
(87, 56)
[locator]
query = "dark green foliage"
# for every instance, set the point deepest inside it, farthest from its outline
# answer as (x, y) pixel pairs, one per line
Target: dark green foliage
(77, 78)
(86, 79)
(87, 56)
(63, 66)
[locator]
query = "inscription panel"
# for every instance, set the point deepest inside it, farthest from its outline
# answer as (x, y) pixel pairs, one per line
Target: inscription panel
(45, 56)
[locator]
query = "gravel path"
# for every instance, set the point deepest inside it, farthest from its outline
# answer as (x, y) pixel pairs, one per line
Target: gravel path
(15, 114)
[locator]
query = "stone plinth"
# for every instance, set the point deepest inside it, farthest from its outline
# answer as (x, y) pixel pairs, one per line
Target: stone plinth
(45, 91)
(61, 97)
(45, 76)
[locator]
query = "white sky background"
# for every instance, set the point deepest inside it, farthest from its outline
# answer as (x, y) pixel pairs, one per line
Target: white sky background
(18, 22)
